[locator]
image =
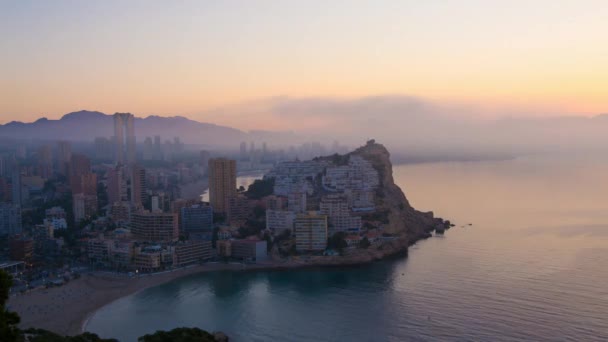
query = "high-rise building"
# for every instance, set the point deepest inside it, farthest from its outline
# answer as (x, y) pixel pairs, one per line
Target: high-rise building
(124, 138)
(149, 226)
(45, 161)
(64, 155)
(138, 185)
(79, 165)
(117, 185)
(222, 183)
(204, 161)
(84, 206)
(103, 148)
(16, 184)
(10, 219)
(243, 151)
(339, 215)
(158, 152)
(84, 187)
(148, 149)
(239, 209)
(310, 231)
(296, 202)
(197, 218)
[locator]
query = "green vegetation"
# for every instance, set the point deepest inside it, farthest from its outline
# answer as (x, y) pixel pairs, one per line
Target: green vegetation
(260, 188)
(8, 320)
(380, 216)
(180, 335)
(219, 217)
(41, 335)
(337, 241)
(364, 243)
(215, 236)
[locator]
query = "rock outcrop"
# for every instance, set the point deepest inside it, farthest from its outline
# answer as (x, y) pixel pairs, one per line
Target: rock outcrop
(403, 220)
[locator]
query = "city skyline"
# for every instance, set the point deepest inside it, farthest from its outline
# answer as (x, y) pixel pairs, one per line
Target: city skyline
(489, 59)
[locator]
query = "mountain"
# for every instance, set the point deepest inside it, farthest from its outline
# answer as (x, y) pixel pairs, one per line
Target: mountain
(86, 125)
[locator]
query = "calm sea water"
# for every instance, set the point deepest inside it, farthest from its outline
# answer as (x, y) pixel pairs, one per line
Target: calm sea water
(532, 267)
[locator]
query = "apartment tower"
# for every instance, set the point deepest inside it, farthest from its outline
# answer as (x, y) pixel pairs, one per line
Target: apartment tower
(222, 183)
(124, 138)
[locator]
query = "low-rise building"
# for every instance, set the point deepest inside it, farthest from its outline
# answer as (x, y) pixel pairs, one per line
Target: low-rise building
(147, 261)
(224, 248)
(120, 212)
(55, 213)
(21, 248)
(120, 253)
(249, 250)
(191, 252)
(98, 252)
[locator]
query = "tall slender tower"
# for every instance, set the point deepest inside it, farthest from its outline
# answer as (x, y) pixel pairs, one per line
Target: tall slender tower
(138, 185)
(124, 138)
(222, 183)
(64, 155)
(16, 183)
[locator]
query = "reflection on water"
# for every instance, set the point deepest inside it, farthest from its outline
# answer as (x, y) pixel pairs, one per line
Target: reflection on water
(531, 267)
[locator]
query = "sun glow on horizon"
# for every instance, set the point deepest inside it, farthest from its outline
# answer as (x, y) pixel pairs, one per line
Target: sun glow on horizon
(193, 58)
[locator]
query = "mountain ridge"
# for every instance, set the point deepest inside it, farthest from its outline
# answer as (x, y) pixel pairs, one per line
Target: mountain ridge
(85, 125)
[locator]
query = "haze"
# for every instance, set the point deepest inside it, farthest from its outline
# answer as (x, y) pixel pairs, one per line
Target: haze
(203, 59)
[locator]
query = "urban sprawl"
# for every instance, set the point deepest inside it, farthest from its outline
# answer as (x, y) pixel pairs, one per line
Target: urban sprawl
(121, 207)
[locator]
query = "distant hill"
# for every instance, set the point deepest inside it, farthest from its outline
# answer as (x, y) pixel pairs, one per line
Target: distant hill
(86, 125)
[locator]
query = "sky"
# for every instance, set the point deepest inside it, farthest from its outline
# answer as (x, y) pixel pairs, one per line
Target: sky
(203, 59)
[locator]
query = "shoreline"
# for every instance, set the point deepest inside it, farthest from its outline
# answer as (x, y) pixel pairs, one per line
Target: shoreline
(67, 310)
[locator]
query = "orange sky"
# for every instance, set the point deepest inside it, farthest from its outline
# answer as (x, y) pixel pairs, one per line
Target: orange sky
(542, 57)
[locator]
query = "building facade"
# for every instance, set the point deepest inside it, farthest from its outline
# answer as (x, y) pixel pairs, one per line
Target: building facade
(124, 138)
(149, 226)
(249, 250)
(278, 221)
(10, 219)
(222, 183)
(196, 218)
(310, 231)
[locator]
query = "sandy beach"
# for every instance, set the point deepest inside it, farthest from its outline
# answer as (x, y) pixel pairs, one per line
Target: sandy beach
(64, 310)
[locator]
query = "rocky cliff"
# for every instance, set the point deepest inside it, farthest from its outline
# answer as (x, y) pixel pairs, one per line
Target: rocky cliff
(403, 220)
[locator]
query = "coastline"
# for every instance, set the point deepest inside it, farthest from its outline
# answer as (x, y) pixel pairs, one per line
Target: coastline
(67, 309)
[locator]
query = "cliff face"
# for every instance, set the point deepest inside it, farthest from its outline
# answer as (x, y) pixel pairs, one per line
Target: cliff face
(403, 220)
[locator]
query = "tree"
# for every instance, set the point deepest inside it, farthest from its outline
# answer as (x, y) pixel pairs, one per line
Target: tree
(364, 243)
(8, 320)
(260, 188)
(268, 239)
(179, 335)
(337, 241)
(215, 236)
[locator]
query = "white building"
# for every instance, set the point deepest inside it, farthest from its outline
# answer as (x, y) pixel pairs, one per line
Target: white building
(279, 221)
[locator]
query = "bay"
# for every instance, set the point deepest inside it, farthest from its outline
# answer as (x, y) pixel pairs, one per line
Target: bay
(532, 266)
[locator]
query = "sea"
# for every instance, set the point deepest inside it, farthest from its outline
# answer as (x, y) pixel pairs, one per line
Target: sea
(527, 260)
